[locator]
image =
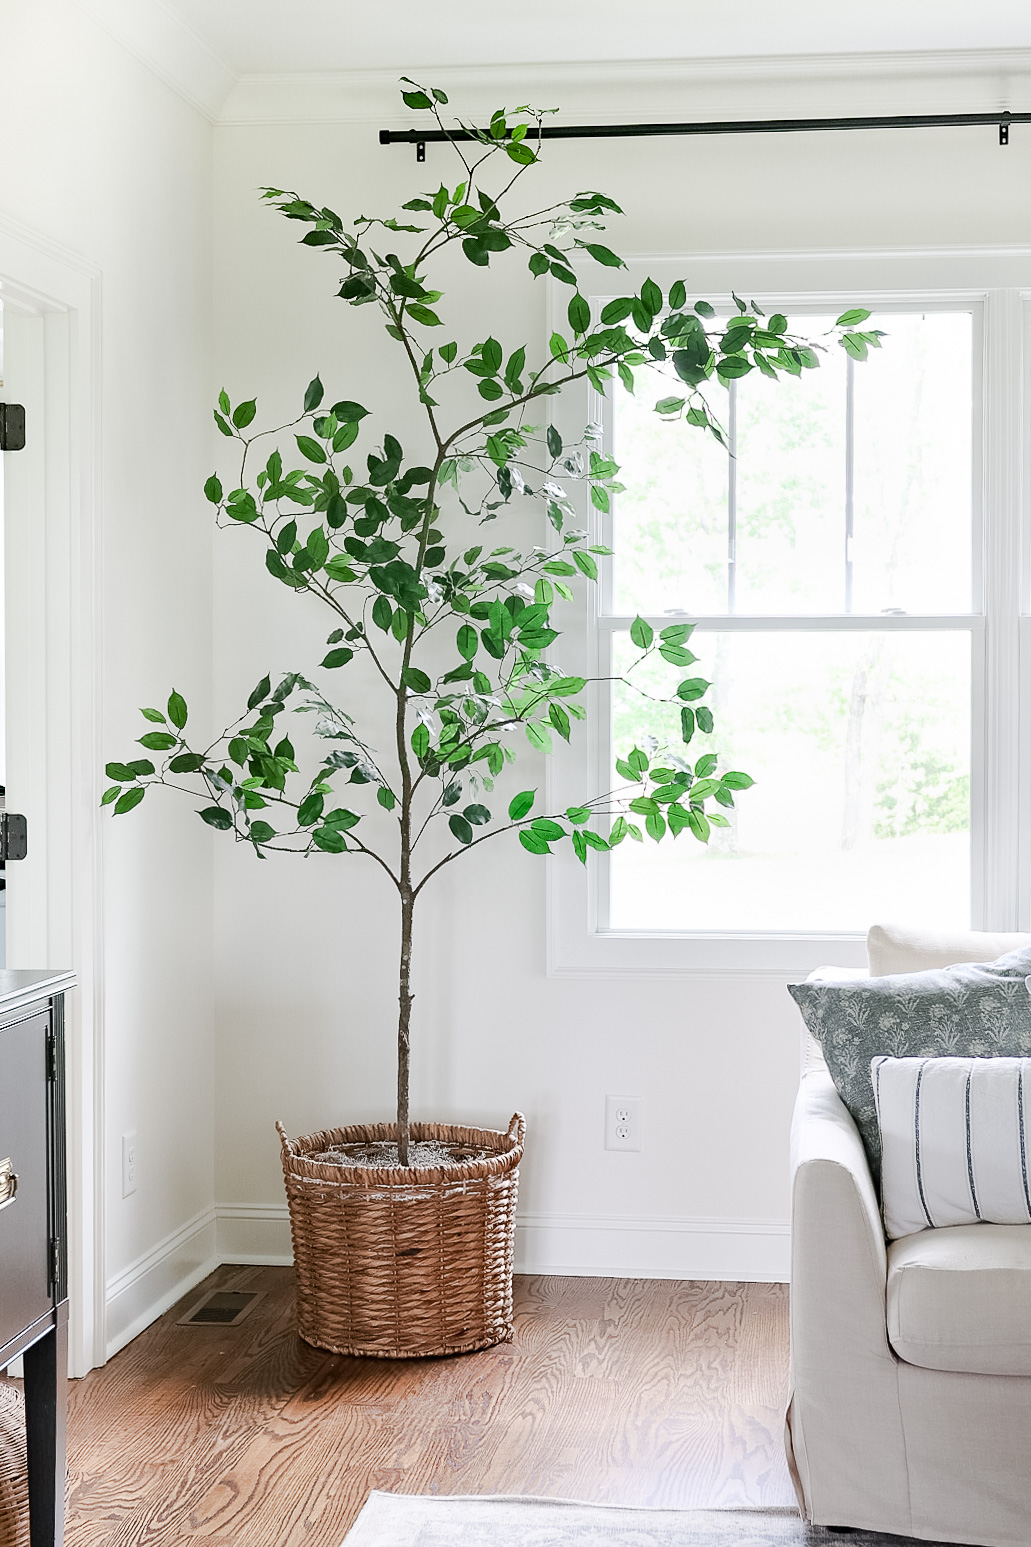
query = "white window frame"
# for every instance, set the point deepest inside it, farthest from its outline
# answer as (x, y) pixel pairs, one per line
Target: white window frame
(995, 284)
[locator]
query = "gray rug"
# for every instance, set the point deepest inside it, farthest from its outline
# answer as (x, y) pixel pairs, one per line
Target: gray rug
(416, 1520)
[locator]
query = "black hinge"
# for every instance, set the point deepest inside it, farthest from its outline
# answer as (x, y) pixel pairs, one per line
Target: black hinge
(12, 427)
(55, 1262)
(51, 1054)
(14, 836)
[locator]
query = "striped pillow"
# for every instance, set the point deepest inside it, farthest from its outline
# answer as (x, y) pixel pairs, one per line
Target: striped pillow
(955, 1141)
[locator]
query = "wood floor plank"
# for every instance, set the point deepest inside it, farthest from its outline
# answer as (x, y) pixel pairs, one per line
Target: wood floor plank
(616, 1390)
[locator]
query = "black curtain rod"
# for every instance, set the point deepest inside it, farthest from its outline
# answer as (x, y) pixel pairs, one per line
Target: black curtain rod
(420, 138)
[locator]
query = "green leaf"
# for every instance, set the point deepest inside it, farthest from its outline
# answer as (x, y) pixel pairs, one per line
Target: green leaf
(519, 805)
(468, 641)
(338, 657)
(177, 710)
(386, 798)
(595, 840)
(694, 687)
(244, 413)
(382, 613)
(420, 740)
(538, 264)
(559, 719)
(347, 412)
(310, 809)
(604, 255)
(619, 831)
(579, 314)
(129, 798)
(157, 741)
(584, 563)
(460, 827)
(216, 817)
(310, 448)
(651, 295)
(677, 295)
(655, 826)
(545, 828)
(558, 346)
(641, 633)
(687, 724)
(669, 405)
(538, 738)
(213, 490)
(110, 795)
(479, 816)
(222, 424)
(847, 319)
(120, 772)
(676, 655)
(705, 720)
(313, 395)
(677, 633)
(259, 694)
(187, 762)
(738, 781)
(415, 99)
(415, 679)
(153, 714)
(531, 841)
(261, 832)
(580, 847)
(423, 314)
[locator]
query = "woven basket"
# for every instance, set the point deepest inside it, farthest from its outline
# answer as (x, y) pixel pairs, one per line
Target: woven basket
(403, 1263)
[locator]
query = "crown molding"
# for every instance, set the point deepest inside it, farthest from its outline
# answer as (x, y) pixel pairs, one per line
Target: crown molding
(153, 33)
(820, 84)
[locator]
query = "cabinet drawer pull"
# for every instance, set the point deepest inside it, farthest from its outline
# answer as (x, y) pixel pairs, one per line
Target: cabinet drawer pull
(8, 1183)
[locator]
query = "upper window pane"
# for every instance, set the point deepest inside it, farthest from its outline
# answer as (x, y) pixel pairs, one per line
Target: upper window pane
(913, 480)
(846, 490)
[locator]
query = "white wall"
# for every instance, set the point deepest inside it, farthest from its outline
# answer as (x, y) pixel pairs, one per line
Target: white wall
(110, 163)
(306, 953)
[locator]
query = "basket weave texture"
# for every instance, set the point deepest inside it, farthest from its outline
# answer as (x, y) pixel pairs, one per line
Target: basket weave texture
(404, 1263)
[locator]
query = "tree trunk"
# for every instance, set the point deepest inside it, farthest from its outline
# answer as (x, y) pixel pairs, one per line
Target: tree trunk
(404, 1019)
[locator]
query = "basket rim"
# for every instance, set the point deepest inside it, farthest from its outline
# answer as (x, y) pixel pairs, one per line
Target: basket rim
(507, 1154)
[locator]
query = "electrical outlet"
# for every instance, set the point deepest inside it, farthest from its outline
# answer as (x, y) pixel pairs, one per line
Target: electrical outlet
(128, 1162)
(624, 1117)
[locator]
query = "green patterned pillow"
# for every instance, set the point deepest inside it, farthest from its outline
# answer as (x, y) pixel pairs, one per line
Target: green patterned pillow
(977, 1010)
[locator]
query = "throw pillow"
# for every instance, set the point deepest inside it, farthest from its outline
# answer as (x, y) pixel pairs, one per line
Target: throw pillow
(975, 1010)
(955, 1135)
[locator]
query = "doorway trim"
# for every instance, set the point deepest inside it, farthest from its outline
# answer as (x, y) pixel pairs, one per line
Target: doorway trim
(52, 362)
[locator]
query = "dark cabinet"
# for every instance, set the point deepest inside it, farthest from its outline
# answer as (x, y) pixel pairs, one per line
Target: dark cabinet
(33, 1234)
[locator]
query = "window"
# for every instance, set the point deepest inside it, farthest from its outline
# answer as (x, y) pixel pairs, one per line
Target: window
(854, 570)
(836, 535)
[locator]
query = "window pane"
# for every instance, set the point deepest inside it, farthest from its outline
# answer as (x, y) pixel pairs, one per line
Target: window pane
(790, 469)
(780, 508)
(671, 523)
(913, 435)
(860, 747)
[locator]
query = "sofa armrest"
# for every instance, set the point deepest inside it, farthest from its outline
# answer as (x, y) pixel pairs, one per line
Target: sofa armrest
(839, 1262)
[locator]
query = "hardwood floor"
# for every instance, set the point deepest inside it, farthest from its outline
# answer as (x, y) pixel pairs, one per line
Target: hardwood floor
(613, 1389)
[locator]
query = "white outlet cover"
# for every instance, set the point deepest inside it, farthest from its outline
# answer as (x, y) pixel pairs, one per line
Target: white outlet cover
(130, 1163)
(624, 1123)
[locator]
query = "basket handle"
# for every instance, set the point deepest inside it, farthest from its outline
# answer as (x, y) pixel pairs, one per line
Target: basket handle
(517, 1128)
(284, 1139)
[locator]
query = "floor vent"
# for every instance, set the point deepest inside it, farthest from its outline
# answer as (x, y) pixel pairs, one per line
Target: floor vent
(221, 1307)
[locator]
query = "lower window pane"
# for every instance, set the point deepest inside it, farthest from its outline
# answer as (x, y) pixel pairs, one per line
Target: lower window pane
(859, 745)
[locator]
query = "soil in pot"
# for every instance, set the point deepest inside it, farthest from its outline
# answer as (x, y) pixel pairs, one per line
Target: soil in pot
(421, 1153)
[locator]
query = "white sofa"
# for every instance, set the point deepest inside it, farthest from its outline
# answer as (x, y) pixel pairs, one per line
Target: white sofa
(910, 1409)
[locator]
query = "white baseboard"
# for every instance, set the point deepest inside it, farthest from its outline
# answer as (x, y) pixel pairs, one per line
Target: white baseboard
(149, 1286)
(578, 1245)
(664, 1246)
(254, 1232)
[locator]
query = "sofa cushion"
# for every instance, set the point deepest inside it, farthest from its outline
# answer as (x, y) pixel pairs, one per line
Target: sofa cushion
(899, 948)
(960, 1299)
(975, 1010)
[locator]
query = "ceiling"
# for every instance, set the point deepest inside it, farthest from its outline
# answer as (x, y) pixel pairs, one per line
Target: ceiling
(258, 37)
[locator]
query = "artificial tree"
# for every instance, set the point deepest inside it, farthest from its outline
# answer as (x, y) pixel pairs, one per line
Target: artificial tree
(457, 633)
